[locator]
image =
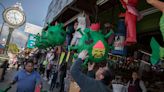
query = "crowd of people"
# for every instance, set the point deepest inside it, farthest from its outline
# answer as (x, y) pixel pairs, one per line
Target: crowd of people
(99, 78)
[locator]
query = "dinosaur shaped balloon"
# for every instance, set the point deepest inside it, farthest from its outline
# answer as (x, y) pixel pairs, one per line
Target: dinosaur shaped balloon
(95, 43)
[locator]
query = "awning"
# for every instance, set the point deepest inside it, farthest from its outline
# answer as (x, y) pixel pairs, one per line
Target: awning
(55, 8)
(62, 10)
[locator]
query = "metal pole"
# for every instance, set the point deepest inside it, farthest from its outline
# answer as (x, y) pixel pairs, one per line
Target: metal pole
(8, 40)
(2, 28)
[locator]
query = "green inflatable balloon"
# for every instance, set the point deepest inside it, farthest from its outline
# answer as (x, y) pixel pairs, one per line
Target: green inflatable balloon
(157, 51)
(162, 25)
(96, 45)
(56, 35)
(38, 42)
(41, 41)
(44, 40)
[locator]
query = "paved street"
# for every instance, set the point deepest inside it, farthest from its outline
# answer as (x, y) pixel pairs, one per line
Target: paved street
(8, 78)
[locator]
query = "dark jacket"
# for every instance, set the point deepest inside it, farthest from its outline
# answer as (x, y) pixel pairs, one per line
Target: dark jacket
(86, 83)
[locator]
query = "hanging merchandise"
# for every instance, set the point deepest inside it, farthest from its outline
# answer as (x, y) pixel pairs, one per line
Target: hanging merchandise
(43, 40)
(110, 40)
(69, 31)
(159, 4)
(130, 20)
(119, 40)
(81, 26)
(68, 55)
(61, 58)
(38, 42)
(81, 23)
(56, 35)
(157, 51)
(95, 26)
(95, 43)
(162, 25)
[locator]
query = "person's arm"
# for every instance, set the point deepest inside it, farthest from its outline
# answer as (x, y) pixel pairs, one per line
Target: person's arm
(38, 78)
(15, 78)
(82, 80)
(90, 72)
(142, 86)
(76, 72)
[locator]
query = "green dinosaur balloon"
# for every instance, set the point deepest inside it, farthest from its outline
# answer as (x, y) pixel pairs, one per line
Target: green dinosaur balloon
(95, 43)
(56, 35)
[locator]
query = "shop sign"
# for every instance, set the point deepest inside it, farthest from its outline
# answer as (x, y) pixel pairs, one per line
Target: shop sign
(31, 41)
(119, 42)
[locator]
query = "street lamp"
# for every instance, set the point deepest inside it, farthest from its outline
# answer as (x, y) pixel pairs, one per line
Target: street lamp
(3, 21)
(13, 22)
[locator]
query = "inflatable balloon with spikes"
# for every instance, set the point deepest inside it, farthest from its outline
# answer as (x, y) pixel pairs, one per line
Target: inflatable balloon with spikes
(56, 35)
(95, 43)
(41, 41)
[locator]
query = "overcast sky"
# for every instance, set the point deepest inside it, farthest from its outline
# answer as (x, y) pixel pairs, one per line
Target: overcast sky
(35, 10)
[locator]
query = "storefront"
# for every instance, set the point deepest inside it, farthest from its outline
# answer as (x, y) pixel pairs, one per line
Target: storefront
(106, 12)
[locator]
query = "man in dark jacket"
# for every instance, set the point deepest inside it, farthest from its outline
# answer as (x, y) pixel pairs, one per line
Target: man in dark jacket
(102, 79)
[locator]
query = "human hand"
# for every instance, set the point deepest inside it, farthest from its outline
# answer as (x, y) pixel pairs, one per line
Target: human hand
(83, 54)
(90, 66)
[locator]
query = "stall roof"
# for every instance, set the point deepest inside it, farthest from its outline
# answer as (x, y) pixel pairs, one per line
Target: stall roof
(62, 10)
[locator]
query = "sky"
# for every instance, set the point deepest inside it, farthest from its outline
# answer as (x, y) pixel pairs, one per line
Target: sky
(35, 10)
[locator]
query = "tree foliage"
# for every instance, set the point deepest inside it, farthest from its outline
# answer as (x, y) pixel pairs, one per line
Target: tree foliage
(13, 48)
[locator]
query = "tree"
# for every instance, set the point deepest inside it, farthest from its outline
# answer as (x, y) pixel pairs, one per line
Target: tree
(13, 48)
